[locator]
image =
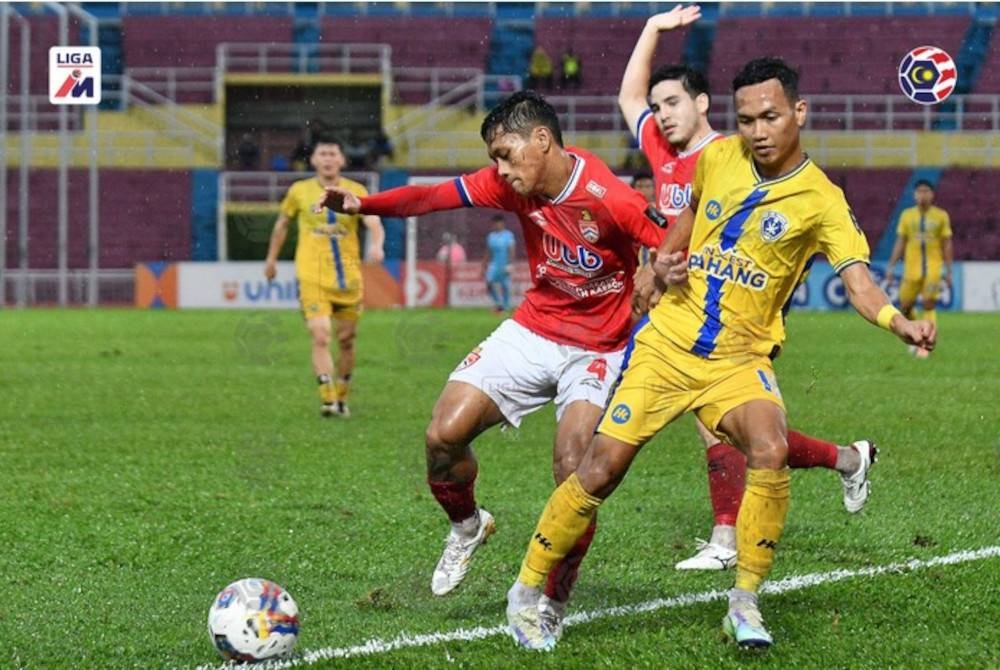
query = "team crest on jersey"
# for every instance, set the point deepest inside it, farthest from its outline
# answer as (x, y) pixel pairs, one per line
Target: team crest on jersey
(668, 167)
(713, 210)
(596, 189)
(772, 226)
(588, 228)
(471, 359)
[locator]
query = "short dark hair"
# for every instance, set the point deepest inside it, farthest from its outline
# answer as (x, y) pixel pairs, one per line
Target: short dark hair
(641, 174)
(760, 70)
(325, 137)
(694, 81)
(923, 182)
(521, 113)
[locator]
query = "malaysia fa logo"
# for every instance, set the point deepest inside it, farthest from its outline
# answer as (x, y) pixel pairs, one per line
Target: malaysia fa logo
(772, 226)
(927, 75)
(74, 75)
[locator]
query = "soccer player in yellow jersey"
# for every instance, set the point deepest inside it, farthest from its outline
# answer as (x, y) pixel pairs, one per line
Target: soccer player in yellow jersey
(923, 241)
(328, 266)
(759, 210)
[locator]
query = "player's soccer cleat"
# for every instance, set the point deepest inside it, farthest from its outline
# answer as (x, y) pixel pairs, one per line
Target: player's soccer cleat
(524, 623)
(745, 626)
(857, 486)
(922, 353)
(458, 551)
(551, 612)
(709, 556)
(337, 408)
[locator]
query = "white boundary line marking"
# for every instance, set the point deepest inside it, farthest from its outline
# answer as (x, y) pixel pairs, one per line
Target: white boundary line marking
(407, 641)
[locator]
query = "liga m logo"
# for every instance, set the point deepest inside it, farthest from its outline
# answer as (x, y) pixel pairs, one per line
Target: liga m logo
(75, 75)
(927, 75)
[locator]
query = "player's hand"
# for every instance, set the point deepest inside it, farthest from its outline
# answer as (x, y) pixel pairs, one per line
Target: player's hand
(338, 200)
(921, 333)
(672, 268)
(376, 254)
(947, 280)
(890, 278)
(648, 291)
(677, 17)
(270, 270)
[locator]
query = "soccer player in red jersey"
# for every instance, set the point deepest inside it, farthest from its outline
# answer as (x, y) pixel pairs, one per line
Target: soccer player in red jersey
(667, 112)
(582, 229)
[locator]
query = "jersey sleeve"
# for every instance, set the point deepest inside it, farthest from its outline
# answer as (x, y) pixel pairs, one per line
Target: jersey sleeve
(840, 236)
(413, 200)
(641, 220)
(901, 226)
(706, 159)
(946, 225)
(486, 188)
(290, 203)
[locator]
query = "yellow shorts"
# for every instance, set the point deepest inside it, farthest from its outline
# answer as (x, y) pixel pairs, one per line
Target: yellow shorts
(927, 288)
(660, 381)
(318, 300)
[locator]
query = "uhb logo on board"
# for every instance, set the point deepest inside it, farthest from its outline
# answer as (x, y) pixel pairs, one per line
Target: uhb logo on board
(74, 75)
(927, 75)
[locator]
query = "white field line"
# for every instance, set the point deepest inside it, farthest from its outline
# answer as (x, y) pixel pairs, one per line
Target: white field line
(406, 641)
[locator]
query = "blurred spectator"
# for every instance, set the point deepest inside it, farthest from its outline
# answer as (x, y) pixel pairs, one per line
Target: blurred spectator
(380, 147)
(451, 252)
(248, 153)
(540, 69)
(280, 163)
(642, 181)
(571, 74)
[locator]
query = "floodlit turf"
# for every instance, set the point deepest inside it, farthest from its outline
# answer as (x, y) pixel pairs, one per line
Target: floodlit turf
(150, 458)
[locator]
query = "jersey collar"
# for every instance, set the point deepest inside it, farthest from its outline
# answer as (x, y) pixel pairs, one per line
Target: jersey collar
(574, 177)
(760, 181)
(705, 141)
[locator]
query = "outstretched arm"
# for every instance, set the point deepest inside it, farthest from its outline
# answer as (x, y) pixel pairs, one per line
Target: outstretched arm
(402, 201)
(872, 303)
(376, 238)
(278, 235)
(635, 82)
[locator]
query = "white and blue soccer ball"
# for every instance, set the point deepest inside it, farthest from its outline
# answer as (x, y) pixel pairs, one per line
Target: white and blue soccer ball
(253, 620)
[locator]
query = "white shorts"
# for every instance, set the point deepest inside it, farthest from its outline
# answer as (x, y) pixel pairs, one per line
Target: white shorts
(521, 371)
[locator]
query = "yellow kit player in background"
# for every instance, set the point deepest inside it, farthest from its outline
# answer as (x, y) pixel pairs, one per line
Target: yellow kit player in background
(759, 210)
(923, 241)
(328, 266)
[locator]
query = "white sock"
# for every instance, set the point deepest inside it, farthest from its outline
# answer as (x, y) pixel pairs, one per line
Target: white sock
(724, 536)
(848, 461)
(467, 527)
(521, 596)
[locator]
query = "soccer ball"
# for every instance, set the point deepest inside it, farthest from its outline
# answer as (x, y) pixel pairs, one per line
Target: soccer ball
(253, 620)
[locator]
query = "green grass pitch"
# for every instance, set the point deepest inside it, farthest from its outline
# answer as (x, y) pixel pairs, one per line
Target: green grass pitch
(149, 458)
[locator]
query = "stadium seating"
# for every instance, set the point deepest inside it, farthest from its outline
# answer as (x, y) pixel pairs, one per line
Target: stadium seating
(148, 219)
(835, 54)
(873, 194)
(183, 41)
(44, 33)
(603, 45)
(970, 198)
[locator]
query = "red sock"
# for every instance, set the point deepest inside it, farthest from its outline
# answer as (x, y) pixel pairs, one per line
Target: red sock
(727, 468)
(564, 574)
(808, 452)
(457, 498)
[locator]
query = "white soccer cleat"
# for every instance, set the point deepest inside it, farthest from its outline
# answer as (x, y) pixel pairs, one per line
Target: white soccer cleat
(458, 551)
(524, 623)
(745, 626)
(709, 556)
(551, 613)
(337, 408)
(857, 486)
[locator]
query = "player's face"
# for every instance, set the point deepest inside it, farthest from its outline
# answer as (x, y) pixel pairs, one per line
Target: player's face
(677, 114)
(769, 123)
(924, 195)
(520, 161)
(646, 188)
(328, 160)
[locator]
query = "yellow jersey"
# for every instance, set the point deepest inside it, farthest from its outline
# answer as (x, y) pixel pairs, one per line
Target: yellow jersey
(924, 232)
(331, 260)
(751, 243)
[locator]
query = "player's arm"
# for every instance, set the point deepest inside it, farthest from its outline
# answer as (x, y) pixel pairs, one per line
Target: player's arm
(897, 253)
(948, 253)
(670, 260)
(402, 201)
(278, 235)
(635, 81)
(376, 238)
(871, 303)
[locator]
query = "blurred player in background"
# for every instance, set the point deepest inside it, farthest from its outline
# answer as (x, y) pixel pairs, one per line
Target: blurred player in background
(667, 112)
(328, 267)
(923, 241)
(763, 209)
(496, 266)
(565, 342)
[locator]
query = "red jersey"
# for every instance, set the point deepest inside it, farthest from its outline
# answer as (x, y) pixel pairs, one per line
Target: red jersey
(581, 245)
(673, 171)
